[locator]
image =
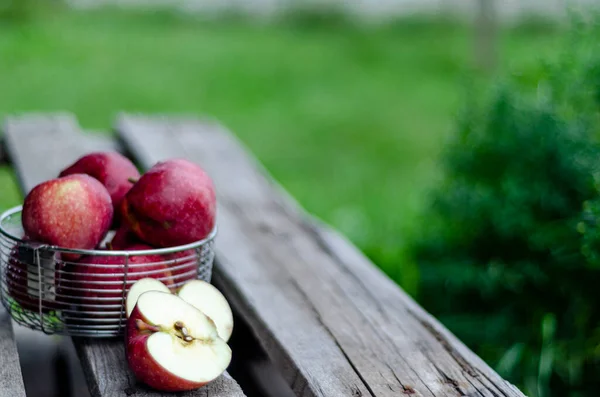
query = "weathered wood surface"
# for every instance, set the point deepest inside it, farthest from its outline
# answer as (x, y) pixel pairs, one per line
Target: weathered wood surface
(11, 379)
(40, 146)
(328, 318)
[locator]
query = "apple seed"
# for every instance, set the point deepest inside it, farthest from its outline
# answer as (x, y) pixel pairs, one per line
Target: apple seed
(179, 326)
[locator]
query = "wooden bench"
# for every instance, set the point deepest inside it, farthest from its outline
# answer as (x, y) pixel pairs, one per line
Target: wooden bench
(314, 317)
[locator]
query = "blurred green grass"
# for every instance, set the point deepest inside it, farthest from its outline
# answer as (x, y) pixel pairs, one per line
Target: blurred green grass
(350, 120)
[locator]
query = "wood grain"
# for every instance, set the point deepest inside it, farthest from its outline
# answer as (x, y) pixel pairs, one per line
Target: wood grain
(11, 379)
(333, 323)
(39, 147)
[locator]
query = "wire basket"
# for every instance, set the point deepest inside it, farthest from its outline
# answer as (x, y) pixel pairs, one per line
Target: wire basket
(82, 292)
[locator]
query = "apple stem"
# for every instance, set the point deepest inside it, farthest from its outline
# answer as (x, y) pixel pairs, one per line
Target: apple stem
(132, 180)
(180, 327)
(142, 326)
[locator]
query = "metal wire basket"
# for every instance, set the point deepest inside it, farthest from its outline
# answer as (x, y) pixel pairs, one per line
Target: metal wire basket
(82, 292)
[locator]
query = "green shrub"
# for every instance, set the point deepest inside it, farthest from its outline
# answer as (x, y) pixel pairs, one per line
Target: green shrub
(509, 254)
(18, 11)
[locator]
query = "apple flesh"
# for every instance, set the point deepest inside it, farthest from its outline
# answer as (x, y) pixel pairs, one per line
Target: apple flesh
(200, 294)
(139, 287)
(115, 171)
(172, 346)
(172, 204)
(74, 211)
(210, 301)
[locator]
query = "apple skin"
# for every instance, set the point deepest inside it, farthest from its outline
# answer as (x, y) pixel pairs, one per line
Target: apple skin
(86, 278)
(172, 204)
(145, 368)
(124, 238)
(74, 211)
(112, 169)
(183, 265)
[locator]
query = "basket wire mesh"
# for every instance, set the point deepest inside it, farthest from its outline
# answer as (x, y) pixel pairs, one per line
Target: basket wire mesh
(82, 292)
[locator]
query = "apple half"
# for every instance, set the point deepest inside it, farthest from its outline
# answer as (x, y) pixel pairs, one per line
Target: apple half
(210, 301)
(200, 294)
(171, 345)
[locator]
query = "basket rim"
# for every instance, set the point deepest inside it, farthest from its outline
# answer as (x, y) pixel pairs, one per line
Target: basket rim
(155, 251)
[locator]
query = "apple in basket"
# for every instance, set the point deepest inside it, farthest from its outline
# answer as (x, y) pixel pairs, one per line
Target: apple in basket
(100, 279)
(74, 211)
(116, 172)
(172, 204)
(171, 343)
(122, 238)
(182, 264)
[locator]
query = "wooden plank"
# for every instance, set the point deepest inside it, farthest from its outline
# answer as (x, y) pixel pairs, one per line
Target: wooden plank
(99, 141)
(333, 323)
(46, 135)
(95, 140)
(31, 141)
(39, 147)
(11, 379)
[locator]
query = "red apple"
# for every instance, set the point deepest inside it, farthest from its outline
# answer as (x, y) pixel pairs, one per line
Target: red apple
(123, 238)
(115, 171)
(172, 346)
(172, 204)
(99, 280)
(210, 301)
(74, 211)
(183, 266)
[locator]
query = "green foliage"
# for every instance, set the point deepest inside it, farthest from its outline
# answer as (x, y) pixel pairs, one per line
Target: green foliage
(16, 10)
(9, 194)
(19, 11)
(510, 252)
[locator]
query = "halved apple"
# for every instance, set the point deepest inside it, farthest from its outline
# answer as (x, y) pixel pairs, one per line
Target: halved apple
(139, 287)
(200, 294)
(171, 345)
(210, 301)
